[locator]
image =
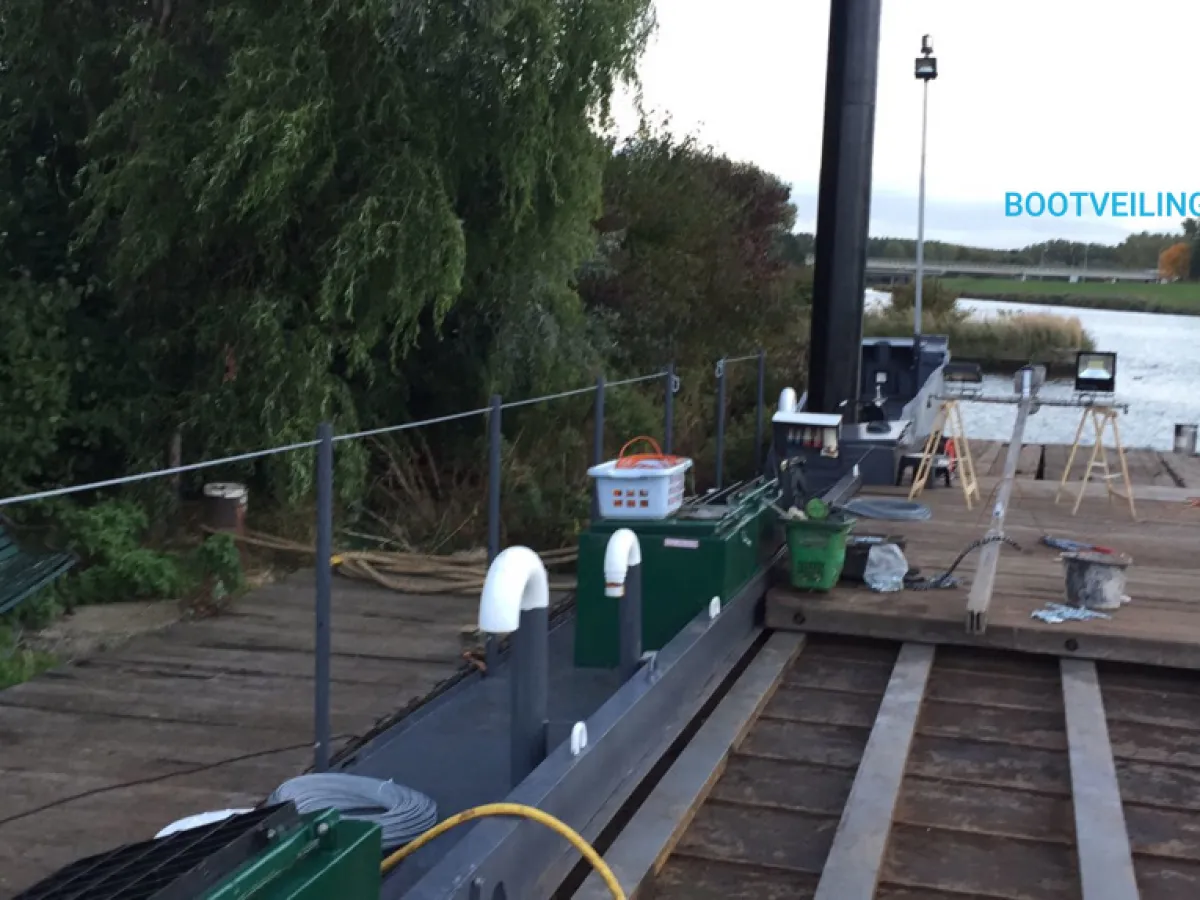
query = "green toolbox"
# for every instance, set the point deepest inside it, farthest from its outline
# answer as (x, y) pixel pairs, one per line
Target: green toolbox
(710, 548)
(271, 853)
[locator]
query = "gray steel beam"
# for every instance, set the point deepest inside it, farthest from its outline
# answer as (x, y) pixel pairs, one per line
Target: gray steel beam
(627, 737)
(1102, 841)
(652, 832)
(852, 868)
(980, 596)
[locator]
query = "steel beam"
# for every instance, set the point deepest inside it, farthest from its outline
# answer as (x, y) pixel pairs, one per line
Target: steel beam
(627, 737)
(980, 596)
(1102, 841)
(852, 868)
(651, 834)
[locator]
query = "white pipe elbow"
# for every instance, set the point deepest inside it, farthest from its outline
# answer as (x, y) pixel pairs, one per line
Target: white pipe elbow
(787, 400)
(516, 582)
(622, 552)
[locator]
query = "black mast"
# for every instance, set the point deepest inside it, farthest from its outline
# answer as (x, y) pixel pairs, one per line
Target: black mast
(844, 207)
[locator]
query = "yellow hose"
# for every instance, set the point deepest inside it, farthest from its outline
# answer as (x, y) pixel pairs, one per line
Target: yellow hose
(512, 809)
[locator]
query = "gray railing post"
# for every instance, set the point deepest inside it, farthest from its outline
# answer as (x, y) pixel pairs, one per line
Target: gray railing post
(720, 423)
(758, 412)
(324, 566)
(630, 613)
(491, 655)
(669, 424)
(598, 444)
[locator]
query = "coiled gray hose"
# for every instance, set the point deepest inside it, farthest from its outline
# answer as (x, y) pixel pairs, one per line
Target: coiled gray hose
(402, 813)
(888, 509)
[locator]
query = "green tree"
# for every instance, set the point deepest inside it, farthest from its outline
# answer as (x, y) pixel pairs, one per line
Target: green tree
(693, 255)
(270, 207)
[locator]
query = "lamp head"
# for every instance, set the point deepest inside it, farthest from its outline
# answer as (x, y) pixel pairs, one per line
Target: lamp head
(1095, 372)
(926, 67)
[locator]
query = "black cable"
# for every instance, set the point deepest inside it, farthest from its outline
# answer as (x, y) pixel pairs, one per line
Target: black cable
(946, 580)
(63, 801)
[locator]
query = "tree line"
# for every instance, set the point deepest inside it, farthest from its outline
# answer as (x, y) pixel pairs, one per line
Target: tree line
(222, 223)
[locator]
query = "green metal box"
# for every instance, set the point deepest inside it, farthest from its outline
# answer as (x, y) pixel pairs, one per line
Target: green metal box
(710, 548)
(327, 858)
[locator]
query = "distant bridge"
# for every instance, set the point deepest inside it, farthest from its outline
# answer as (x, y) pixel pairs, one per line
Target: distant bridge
(901, 270)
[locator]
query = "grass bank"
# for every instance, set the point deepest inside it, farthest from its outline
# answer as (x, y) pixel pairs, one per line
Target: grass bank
(1180, 298)
(994, 343)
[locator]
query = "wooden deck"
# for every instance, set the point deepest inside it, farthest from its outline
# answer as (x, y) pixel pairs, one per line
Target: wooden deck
(871, 771)
(204, 715)
(216, 713)
(1161, 626)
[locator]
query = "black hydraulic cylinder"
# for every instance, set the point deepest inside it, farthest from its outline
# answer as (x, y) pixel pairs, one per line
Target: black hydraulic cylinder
(844, 207)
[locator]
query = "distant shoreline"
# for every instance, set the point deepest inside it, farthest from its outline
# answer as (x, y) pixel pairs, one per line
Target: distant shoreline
(1119, 304)
(1179, 298)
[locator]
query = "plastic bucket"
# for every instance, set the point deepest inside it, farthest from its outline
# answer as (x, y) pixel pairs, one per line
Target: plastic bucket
(1096, 580)
(225, 507)
(817, 550)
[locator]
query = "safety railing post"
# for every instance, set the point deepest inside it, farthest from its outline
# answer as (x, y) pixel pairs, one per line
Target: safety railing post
(598, 443)
(759, 409)
(720, 424)
(669, 424)
(494, 440)
(324, 566)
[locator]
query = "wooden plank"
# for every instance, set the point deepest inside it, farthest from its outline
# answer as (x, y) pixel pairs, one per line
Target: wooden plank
(852, 868)
(985, 454)
(644, 844)
(1105, 860)
(1029, 462)
(219, 708)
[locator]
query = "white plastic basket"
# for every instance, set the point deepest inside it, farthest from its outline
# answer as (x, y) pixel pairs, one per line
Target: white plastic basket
(647, 487)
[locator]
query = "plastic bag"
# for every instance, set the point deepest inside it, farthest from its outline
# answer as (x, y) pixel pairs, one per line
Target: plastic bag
(885, 568)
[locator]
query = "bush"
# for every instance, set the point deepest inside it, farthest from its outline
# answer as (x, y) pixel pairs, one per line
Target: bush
(117, 564)
(937, 301)
(1036, 337)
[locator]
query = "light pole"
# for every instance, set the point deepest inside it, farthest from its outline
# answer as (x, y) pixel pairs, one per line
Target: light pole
(926, 71)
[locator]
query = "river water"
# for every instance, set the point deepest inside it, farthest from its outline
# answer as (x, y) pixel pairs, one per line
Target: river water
(1158, 375)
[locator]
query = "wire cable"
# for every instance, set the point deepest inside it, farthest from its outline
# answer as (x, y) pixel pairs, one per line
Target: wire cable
(520, 810)
(401, 813)
(408, 426)
(301, 445)
(155, 779)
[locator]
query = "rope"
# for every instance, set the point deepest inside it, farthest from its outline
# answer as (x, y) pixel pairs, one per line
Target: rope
(401, 813)
(526, 812)
(409, 573)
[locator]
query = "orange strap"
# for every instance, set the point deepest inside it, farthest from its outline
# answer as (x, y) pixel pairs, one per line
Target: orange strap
(655, 460)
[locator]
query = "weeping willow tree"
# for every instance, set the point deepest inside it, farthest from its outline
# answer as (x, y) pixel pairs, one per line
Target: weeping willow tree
(234, 218)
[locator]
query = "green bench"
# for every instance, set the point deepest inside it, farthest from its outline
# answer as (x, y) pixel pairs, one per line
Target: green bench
(23, 573)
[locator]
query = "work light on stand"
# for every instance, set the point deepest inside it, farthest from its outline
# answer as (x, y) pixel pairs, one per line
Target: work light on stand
(1095, 372)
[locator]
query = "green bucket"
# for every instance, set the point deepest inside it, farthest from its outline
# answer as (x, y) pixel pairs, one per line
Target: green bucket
(817, 548)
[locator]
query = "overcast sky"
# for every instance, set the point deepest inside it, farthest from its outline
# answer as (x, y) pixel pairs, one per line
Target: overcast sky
(1032, 95)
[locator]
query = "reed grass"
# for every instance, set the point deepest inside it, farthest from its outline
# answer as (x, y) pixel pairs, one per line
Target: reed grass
(1008, 337)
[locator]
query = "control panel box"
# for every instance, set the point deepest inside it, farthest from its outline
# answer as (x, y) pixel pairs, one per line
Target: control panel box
(806, 434)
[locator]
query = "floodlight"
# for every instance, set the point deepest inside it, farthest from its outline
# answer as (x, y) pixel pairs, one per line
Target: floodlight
(1095, 372)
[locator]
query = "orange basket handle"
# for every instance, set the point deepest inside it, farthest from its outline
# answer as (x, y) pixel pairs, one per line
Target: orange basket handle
(649, 440)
